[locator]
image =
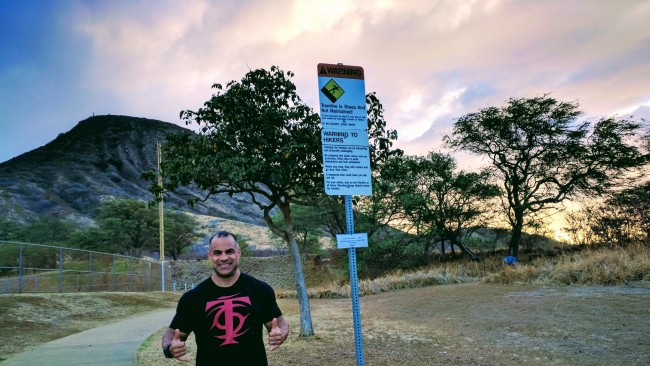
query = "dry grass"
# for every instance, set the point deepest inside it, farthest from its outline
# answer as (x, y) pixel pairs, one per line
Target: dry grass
(469, 324)
(613, 266)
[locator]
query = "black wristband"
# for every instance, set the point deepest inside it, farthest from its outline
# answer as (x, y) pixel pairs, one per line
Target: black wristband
(167, 352)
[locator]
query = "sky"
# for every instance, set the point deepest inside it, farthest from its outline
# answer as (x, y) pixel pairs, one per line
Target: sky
(429, 61)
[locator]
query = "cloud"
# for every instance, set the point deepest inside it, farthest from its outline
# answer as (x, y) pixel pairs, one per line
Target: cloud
(430, 61)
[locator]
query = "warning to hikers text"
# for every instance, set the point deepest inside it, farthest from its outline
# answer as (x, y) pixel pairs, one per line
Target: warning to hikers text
(346, 162)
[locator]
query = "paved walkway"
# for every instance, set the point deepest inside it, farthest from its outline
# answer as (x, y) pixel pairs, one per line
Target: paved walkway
(110, 345)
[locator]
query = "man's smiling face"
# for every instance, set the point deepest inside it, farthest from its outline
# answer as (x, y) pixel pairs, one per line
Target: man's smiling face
(224, 256)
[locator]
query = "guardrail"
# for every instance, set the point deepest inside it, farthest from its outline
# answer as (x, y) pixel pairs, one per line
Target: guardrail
(33, 268)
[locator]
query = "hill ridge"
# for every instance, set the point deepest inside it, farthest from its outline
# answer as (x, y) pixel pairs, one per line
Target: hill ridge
(101, 157)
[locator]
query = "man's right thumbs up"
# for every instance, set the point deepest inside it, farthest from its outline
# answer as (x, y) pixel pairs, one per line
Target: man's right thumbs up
(178, 349)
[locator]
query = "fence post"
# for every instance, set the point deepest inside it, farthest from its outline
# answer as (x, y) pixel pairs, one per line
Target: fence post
(162, 272)
(113, 274)
(60, 269)
(130, 273)
(90, 271)
(20, 268)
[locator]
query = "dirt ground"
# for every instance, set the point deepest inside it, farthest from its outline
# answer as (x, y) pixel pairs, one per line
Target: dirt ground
(471, 324)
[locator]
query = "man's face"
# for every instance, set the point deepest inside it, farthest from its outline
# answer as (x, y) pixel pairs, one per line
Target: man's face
(224, 256)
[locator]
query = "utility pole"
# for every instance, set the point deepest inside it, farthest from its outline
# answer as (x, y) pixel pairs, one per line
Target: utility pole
(160, 220)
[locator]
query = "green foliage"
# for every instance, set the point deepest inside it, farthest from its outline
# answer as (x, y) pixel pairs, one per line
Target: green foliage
(634, 204)
(181, 231)
(385, 253)
(544, 154)
(46, 230)
(131, 227)
(256, 136)
(10, 230)
(436, 202)
(49, 230)
(307, 222)
(127, 227)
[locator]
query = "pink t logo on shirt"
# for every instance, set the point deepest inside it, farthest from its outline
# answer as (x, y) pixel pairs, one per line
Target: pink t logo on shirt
(226, 318)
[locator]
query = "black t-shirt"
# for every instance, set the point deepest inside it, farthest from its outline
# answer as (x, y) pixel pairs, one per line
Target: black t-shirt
(228, 322)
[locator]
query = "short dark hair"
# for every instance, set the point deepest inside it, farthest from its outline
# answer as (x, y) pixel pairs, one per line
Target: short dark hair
(223, 234)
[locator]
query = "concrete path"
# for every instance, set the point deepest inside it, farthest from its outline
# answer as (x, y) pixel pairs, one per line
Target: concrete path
(110, 345)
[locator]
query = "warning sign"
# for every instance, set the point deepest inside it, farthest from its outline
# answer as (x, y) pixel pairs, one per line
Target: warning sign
(344, 137)
(342, 97)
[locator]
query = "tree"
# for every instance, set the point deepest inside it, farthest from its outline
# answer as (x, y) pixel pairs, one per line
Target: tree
(624, 218)
(307, 227)
(438, 203)
(544, 155)
(180, 232)
(580, 223)
(10, 230)
(256, 137)
(126, 226)
(132, 227)
(49, 230)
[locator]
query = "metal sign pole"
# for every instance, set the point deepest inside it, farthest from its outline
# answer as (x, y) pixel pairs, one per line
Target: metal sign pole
(354, 284)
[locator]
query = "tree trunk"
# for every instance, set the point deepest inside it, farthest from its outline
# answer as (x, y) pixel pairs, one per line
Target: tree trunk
(306, 328)
(513, 247)
(466, 250)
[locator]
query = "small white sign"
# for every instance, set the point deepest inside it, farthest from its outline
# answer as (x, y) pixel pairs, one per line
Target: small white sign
(344, 241)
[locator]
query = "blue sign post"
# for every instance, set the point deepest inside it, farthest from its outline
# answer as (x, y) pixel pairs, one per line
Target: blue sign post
(346, 160)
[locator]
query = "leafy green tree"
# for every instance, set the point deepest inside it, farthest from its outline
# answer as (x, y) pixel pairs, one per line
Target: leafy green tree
(544, 155)
(49, 230)
(257, 138)
(126, 226)
(307, 223)
(437, 203)
(10, 230)
(180, 232)
(131, 227)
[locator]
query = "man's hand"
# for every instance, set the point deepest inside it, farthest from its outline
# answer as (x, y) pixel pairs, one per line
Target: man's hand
(275, 335)
(178, 349)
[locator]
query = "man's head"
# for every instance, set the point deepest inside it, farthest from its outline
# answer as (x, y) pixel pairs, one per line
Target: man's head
(224, 254)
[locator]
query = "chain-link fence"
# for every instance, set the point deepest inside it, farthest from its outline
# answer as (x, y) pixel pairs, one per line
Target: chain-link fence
(31, 268)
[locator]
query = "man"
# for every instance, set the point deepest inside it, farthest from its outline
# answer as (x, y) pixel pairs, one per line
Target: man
(226, 313)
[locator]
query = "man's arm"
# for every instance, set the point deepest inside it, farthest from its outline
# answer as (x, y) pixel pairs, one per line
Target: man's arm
(173, 343)
(278, 329)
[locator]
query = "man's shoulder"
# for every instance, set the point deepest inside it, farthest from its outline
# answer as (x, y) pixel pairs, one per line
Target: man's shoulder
(253, 281)
(198, 288)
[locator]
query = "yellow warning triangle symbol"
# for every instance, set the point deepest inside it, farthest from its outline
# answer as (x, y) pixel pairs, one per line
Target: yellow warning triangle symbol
(322, 70)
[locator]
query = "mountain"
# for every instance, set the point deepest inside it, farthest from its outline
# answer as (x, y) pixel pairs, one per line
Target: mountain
(100, 158)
